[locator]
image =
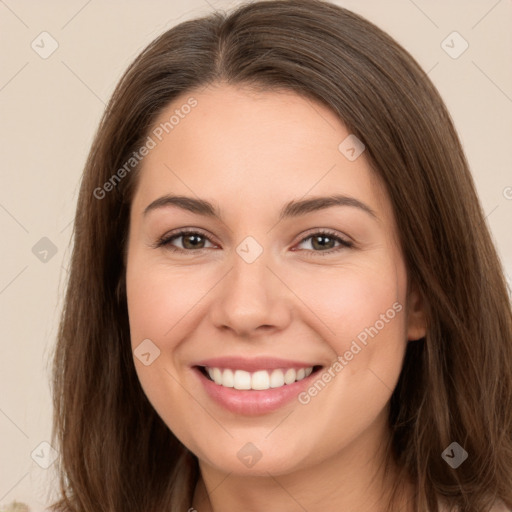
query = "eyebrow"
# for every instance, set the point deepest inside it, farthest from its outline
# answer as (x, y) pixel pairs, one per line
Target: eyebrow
(294, 208)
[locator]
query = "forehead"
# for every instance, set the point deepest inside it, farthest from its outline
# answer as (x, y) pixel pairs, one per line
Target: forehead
(245, 147)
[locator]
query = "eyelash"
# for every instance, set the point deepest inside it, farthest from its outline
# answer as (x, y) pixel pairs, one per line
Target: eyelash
(166, 240)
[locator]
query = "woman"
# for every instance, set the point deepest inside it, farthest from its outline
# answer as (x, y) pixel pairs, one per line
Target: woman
(283, 294)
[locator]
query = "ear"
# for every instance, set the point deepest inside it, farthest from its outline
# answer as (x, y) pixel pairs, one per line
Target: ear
(416, 315)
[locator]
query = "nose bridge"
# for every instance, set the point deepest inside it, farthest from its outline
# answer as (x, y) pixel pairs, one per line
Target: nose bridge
(250, 296)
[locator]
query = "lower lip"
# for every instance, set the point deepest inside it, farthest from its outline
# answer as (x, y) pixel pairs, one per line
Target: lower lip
(253, 402)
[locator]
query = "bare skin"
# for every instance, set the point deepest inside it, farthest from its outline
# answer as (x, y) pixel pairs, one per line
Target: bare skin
(249, 154)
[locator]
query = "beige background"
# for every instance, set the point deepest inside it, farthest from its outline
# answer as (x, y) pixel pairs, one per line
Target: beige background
(50, 109)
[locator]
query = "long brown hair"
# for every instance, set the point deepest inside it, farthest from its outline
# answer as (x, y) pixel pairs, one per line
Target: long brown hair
(116, 453)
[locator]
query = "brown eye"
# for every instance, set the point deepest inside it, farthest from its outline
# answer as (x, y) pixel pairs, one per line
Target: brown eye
(322, 242)
(190, 241)
(325, 242)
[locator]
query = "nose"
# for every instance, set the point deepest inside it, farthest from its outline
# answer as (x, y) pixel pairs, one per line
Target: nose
(251, 299)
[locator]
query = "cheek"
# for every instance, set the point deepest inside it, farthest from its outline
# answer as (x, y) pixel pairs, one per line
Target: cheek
(351, 300)
(159, 297)
(362, 311)
(164, 302)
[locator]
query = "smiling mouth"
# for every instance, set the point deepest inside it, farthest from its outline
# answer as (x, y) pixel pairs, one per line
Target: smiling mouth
(259, 380)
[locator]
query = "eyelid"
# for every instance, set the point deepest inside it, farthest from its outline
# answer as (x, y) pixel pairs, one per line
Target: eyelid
(328, 232)
(180, 232)
(345, 241)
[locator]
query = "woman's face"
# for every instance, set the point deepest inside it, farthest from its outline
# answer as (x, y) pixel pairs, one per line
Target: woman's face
(297, 305)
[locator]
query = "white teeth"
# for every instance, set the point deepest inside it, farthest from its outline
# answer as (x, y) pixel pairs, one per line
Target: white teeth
(259, 380)
(276, 379)
(290, 376)
(228, 379)
(242, 380)
(217, 376)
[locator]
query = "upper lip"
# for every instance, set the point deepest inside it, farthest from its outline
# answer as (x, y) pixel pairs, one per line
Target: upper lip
(253, 364)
